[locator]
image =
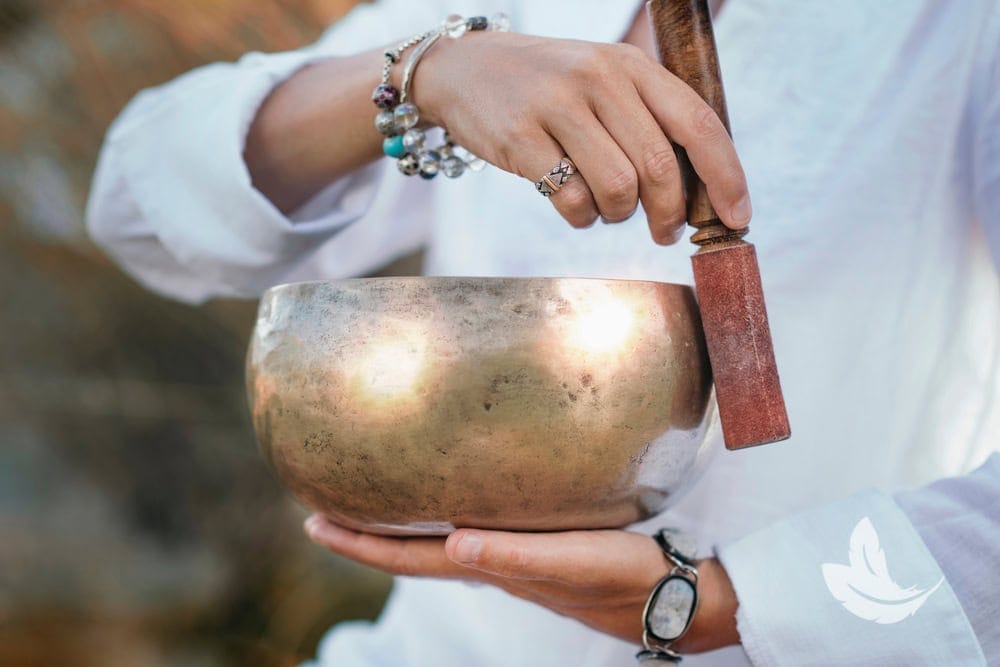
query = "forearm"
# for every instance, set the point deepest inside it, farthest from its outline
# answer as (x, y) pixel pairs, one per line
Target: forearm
(315, 128)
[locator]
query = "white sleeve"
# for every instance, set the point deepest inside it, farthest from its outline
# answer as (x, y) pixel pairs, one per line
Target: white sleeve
(874, 581)
(985, 110)
(172, 199)
(959, 521)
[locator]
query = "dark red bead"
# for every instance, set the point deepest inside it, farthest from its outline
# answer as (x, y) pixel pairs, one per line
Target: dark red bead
(385, 96)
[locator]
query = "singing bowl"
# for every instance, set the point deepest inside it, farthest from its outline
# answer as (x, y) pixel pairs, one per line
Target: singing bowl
(418, 405)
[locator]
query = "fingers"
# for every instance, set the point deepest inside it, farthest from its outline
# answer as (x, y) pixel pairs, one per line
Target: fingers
(411, 556)
(623, 156)
(574, 201)
(650, 152)
(574, 558)
(692, 123)
(566, 571)
(601, 162)
(619, 133)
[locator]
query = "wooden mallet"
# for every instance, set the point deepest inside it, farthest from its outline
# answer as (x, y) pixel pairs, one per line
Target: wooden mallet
(726, 275)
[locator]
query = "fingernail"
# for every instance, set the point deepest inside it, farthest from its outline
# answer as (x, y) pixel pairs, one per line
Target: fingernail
(468, 548)
(609, 221)
(740, 213)
(668, 235)
(311, 526)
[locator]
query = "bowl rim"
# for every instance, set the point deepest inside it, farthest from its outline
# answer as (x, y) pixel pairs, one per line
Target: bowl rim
(301, 284)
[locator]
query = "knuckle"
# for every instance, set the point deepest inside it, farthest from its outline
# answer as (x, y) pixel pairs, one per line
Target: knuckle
(620, 189)
(596, 64)
(402, 564)
(517, 561)
(630, 53)
(659, 165)
(705, 123)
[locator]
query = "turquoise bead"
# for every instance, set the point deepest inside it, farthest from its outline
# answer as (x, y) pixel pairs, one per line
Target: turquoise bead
(393, 146)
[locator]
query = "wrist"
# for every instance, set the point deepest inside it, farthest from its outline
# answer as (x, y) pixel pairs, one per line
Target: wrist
(402, 122)
(446, 71)
(714, 622)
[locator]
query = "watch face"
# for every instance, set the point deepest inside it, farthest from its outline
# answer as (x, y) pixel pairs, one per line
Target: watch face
(671, 608)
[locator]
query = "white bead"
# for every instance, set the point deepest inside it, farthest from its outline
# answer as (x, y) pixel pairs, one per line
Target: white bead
(475, 163)
(413, 140)
(455, 26)
(500, 22)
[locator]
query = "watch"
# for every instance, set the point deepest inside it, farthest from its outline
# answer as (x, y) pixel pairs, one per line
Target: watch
(674, 600)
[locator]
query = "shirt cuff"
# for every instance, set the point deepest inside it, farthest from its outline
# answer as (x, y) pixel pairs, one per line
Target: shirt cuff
(848, 583)
(196, 194)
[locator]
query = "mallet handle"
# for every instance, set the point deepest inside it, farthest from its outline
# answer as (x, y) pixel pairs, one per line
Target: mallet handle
(726, 275)
(684, 34)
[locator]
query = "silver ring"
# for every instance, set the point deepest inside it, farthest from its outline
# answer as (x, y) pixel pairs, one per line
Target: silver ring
(550, 183)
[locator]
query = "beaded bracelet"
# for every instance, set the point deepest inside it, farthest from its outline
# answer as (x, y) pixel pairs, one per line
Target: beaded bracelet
(398, 117)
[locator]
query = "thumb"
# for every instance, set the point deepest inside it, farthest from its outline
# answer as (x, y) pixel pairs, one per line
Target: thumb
(566, 557)
(510, 555)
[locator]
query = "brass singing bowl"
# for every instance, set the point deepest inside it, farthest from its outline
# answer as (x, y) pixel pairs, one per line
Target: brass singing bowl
(418, 405)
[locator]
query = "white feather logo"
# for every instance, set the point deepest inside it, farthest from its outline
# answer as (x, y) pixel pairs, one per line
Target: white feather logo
(865, 588)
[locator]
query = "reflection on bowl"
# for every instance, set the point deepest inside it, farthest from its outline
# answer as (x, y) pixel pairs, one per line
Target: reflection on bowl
(417, 405)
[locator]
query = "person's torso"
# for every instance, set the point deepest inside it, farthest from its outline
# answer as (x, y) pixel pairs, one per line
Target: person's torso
(851, 120)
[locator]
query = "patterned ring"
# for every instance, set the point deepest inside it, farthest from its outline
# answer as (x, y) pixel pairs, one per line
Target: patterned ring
(550, 183)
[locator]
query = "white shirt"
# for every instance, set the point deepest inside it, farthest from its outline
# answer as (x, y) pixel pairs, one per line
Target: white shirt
(870, 133)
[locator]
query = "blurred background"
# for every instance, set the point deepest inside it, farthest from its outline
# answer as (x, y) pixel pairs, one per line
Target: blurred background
(138, 525)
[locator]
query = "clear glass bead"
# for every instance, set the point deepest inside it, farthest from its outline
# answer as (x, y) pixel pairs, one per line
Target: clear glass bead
(500, 22)
(475, 163)
(446, 151)
(455, 26)
(406, 116)
(413, 140)
(385, 122)
(452, 166)
(430, 162)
